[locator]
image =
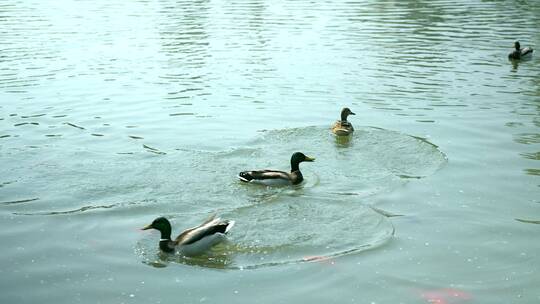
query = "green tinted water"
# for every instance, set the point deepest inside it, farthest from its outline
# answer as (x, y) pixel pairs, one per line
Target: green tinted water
(112, 114)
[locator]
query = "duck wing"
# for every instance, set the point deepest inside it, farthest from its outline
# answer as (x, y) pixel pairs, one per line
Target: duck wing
(208, 228)
(260, 175)
(189, 231)
(526, 51)
(342, 128)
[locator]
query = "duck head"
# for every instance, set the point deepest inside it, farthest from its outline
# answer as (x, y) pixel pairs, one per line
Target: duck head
(297, 158)
(162, 225)
(517, 45)
(345, 113)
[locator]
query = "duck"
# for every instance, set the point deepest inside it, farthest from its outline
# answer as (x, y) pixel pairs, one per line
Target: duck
(343, 127)
(193, 241)
(519, 52)
(275, 177)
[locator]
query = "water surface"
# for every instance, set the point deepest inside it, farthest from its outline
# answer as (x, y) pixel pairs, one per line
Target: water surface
(114, 113)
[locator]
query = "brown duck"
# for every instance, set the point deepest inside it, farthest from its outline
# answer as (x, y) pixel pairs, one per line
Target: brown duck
(343, 127)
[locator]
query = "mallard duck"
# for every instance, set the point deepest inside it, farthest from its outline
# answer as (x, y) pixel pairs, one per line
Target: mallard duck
(192, 241)
(276, 178)
(343, 127)
(519, 52)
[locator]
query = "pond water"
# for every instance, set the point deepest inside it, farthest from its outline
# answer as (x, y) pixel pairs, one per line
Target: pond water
(114, 113)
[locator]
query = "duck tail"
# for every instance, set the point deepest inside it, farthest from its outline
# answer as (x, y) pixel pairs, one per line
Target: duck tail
(245, 176)
(230, 224)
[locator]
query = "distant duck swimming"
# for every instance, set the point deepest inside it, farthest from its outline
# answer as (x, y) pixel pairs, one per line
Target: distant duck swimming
(343, 127)
(192, 241)
(519, 52)
(275, 177)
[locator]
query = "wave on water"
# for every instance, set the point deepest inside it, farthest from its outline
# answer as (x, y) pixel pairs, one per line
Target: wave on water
(324, 217)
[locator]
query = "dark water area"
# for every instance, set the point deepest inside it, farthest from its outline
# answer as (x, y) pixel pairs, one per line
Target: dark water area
(114, 113)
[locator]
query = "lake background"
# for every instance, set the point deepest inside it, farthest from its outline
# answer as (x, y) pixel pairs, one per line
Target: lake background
(114, 113)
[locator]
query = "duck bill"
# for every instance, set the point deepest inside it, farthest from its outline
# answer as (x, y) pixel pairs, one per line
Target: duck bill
(149, 226)
(310, 159)
(352, 113)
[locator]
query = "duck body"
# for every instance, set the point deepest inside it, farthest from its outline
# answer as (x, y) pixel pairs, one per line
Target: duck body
(192, 241)
(343, 127)
(520, 52)
(275, 177)
(271, 177)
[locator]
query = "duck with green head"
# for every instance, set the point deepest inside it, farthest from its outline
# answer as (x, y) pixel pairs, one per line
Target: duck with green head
(275, 177)
(519, 52)
(343, 127)
(192, 241)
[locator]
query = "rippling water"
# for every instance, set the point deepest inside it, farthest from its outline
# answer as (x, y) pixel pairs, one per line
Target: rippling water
(113, 113)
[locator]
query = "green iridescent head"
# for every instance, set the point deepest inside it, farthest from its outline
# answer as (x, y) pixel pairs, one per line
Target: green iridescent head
(299, 157)
(162, 225)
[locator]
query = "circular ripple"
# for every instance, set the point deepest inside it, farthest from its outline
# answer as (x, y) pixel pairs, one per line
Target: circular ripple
(323, 217)
(291, 231)
(371, 161)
